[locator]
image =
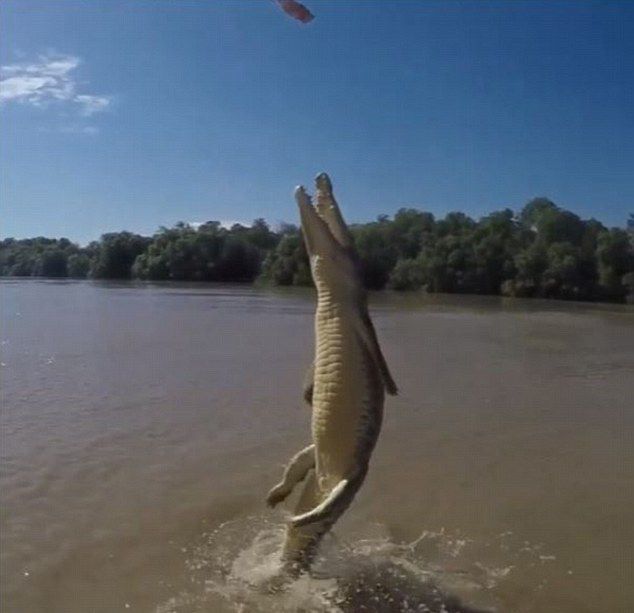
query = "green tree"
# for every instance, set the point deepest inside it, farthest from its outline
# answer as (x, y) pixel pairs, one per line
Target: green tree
(562, 276)
(377, 252)
(288, 263)
(530, 263)
(615, 259)
(261, 236)
(406, 275)
(495, 240)
(78, 265)
(543, 251)
(52, 262)
(239, 261)
(116, 254)
(40, 256)
(409, 229)
(551, 223)
(533, 210)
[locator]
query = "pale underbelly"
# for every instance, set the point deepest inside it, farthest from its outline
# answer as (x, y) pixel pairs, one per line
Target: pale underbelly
(346, 409)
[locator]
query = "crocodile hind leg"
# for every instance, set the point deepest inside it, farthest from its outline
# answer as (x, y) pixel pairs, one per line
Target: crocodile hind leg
(333, 503)
(295, 472)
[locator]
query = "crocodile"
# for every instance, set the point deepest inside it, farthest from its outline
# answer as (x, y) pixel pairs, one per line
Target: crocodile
(346, 384)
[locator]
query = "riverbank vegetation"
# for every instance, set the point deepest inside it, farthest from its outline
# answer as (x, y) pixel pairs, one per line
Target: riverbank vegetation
(542, 251)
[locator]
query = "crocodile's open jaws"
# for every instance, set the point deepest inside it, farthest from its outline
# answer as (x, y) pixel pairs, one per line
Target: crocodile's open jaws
(347, 387)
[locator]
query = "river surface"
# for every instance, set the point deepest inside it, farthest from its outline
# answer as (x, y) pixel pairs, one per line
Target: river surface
(142, 426)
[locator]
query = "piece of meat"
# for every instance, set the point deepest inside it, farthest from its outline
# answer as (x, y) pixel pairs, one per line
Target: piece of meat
(296, 10)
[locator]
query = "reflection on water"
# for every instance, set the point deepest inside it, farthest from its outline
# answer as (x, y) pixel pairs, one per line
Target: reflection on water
(142, 426)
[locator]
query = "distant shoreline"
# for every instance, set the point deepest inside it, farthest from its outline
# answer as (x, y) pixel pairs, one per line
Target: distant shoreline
(543, 251)
(431, 297)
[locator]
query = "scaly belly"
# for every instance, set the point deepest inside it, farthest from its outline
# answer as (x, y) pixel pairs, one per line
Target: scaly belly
(347, 402)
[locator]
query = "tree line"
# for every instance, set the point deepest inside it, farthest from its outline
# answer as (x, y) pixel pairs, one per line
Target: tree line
(542, 251)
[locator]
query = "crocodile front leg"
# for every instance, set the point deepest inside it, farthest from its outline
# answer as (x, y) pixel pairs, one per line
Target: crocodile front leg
(295, 472)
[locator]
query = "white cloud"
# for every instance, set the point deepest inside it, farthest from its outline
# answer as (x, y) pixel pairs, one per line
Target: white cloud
(79, 129)
(47, 81)
(224, 223)
(24, 87)
(227, 223)
(92, 104)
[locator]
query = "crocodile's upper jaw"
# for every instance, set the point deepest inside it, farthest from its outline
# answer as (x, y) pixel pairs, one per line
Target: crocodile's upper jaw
(335, 267)
(328, 242)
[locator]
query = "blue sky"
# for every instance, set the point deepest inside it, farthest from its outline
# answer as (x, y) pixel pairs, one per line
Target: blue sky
(138, 113)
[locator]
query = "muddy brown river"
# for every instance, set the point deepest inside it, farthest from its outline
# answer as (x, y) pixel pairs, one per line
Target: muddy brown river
(142, 426)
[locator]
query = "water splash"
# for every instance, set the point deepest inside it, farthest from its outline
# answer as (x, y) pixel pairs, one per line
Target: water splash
(236, 568)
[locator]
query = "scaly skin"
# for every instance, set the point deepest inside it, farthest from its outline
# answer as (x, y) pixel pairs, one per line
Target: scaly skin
(347, 395)
(350, 377)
